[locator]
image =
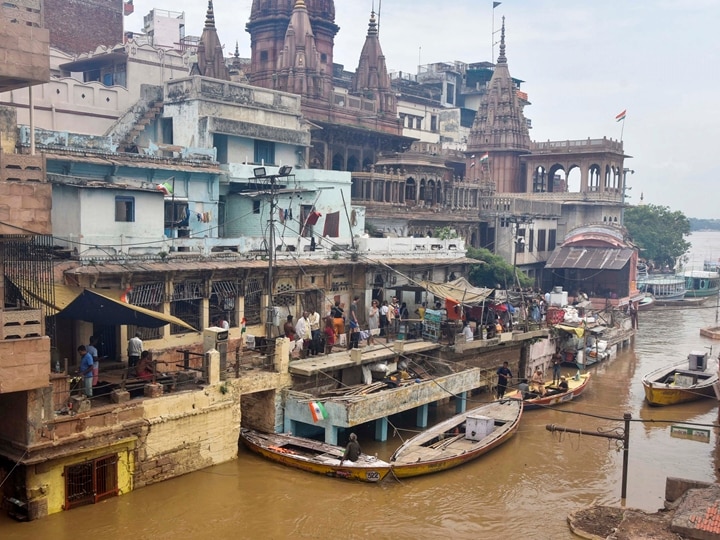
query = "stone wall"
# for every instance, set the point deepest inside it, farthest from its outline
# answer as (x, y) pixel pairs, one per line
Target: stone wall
(25, 196)
(188, 431)
(24, 364)
(8, 129)
(25, 58)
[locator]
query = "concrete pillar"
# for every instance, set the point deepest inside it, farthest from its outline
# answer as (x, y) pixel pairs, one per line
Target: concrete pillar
(281, 361)
(461, 402)
(422, 416)
(331, 434)
(213, 363)
(381, 429)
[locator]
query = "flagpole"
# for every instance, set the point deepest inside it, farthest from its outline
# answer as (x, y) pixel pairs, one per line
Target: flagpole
(622, 129)
(492, 35)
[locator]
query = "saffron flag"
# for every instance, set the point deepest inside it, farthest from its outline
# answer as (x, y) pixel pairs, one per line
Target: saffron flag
(621, 116)
(317, 410)
(484, 157)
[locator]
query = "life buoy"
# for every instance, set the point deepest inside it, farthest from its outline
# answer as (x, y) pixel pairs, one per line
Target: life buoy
(703, 284)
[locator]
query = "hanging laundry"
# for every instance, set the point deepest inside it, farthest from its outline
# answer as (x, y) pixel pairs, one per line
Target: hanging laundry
(290, 213)
(281, 215)
(332, 225)
(199, 216)
(286, 214)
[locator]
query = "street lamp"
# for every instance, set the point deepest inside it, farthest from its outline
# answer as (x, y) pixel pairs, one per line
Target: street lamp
(624, 189)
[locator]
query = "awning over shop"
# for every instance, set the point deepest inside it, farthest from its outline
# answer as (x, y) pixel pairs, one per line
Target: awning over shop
(589, 258)
(459, 290)
(100, 306)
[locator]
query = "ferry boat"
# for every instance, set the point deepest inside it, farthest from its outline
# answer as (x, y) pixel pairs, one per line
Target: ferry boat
(665, 288)
(700, 283)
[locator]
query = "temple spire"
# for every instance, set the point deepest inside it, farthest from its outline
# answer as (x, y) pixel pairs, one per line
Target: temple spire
(210, 17)
(210, 55)
(372, 25)
(502, 59)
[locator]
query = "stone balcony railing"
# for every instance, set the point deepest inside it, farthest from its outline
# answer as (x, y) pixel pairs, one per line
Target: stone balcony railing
(24, 351)
(21, 323)
(22, 168)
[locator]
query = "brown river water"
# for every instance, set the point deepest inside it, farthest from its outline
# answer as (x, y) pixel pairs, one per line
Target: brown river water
(524, 489)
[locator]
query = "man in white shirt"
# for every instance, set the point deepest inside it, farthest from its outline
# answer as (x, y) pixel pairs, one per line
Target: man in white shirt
(135, 348)
(303, 332)
(314, 319)
(467, 332)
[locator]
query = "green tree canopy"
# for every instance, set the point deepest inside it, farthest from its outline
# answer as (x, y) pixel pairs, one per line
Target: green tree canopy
(495, 271)
(658, 232)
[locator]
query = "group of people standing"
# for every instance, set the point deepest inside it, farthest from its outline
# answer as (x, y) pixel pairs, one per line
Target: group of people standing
(140, 362)
(311, 331)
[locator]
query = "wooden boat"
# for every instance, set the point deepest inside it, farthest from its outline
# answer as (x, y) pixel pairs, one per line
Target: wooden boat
(554, 395)
(646, 302)
(459, 439)
(314, 456)
(686, 302)
(700, 283)
(687, 381)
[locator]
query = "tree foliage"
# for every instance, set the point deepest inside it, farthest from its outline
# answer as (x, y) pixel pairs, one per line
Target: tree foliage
(495, 270)
(658, 232)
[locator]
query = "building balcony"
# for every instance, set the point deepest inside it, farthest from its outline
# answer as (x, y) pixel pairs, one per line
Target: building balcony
(25, 195)
(26, 48)
(24, 351)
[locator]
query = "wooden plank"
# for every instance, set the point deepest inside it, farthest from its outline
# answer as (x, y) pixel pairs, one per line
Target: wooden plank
(370, 355)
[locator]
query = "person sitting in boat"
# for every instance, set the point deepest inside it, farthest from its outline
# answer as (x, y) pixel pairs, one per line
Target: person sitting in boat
(524, 389)
(352, 450)
(563, 385)
(538, 382)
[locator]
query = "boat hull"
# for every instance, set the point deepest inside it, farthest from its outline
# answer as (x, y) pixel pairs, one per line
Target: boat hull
(314, 456)
(701, 284)
(445, 446)
(675, 384)
(660, 397)
(554, 396)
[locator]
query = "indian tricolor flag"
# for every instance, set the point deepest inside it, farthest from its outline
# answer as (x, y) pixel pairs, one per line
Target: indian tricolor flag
(484, 157)
(621, 116)
(317, 410)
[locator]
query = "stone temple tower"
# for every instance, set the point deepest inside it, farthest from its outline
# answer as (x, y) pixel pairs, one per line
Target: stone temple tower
(268, 25)
(500, 133)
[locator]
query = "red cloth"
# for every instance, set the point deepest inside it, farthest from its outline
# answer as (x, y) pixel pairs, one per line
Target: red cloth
(454, 310)
(313, 217)
(329, 335)
(332, 225)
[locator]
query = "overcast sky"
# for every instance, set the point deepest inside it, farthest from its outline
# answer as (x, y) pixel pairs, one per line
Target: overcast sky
(583, 62)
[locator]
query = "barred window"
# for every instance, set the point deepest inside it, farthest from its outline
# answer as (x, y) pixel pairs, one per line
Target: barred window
(91, 481)
(150, 296)
(253, 301)
(186, 304)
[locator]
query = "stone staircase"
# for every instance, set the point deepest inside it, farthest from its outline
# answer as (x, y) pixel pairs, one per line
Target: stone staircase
(127, 143)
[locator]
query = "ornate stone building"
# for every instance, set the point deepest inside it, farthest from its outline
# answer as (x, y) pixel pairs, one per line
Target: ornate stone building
(353, 119)
(491, 186)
